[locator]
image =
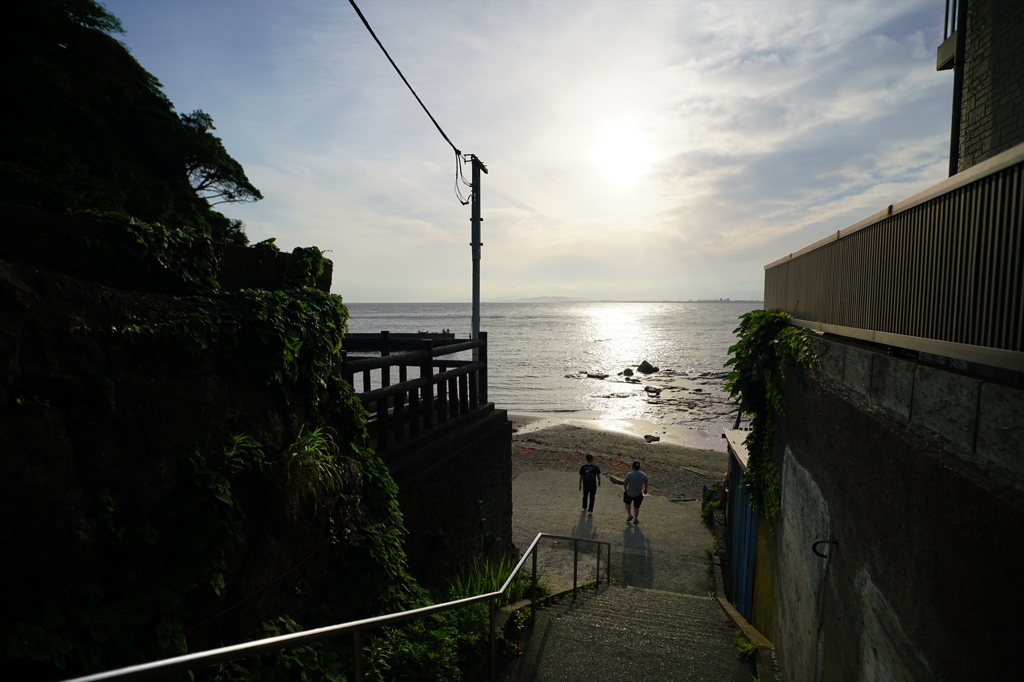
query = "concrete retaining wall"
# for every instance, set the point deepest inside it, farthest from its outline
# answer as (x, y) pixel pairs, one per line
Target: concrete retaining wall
(916, 472)
(980, 422)
(455, 492)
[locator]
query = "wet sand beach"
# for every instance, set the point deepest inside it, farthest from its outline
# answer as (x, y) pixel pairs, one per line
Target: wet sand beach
(667, 551)
(676, 471)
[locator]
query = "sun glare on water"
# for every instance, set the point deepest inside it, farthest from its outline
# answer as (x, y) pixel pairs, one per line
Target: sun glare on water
(623, 154)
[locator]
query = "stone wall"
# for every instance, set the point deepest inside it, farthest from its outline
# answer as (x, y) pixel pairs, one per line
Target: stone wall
(455, 492)
(993, 98)
(916, 472)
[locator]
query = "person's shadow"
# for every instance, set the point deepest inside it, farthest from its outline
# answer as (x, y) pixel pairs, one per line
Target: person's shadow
(585, 529)
(637, 561)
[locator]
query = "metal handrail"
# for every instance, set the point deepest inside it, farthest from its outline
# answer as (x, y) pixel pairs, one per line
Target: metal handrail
(154, 669)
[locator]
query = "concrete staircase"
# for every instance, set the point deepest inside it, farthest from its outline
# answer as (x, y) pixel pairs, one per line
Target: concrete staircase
(630, 634)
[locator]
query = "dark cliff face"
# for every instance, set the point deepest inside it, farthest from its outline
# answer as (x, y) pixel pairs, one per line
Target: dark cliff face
(135, 520)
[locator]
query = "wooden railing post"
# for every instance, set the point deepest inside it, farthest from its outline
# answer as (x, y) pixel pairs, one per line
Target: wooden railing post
(474, 393)
(442, 398)
(427, 391)
(400, 406)
(483, 372)
(463, 393)
(382, 404)
(453, 397)
(414, 412)
(399, 414)
(346, 375)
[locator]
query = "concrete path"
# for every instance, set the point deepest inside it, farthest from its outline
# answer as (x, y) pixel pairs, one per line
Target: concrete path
(665, 551)
(656, 622)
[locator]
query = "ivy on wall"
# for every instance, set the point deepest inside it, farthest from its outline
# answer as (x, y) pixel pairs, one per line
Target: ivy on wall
(200, 535)
(767, 345)
(292, 337)
(181, 258)
(183, 554)
(167, 566)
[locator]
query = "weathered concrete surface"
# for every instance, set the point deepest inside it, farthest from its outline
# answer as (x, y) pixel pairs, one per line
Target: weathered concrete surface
(656, 622)
(805, 520)
(1000, 444)
(923, 531)
(666, 551)
(857, 370)
(946, 405)
(883, 644)
(974, 419)
(892, 383)
(631, 635)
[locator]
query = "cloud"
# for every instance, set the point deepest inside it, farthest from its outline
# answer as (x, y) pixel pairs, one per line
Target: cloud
(745, 131)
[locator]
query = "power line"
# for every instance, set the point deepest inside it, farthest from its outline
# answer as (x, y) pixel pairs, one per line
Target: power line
(381, 45)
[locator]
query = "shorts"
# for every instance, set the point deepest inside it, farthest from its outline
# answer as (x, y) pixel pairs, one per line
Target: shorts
(636, 501)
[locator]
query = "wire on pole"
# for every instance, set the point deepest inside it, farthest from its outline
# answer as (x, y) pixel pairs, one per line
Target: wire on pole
(459, 160)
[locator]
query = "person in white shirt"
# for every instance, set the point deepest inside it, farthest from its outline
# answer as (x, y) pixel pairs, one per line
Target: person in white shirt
(634, 487)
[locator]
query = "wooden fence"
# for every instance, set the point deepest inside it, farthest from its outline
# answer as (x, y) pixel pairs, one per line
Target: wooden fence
(443, 388)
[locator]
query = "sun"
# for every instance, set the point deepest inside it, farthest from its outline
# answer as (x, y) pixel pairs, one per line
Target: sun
(622, 153)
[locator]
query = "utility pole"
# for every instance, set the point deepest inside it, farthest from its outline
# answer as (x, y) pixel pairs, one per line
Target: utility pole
(475, 220)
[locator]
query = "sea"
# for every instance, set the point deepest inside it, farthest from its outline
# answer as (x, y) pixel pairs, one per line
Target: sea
(569, 359)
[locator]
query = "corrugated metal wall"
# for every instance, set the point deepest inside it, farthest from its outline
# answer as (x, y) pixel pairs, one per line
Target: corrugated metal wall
(950, 269)
(742, 542)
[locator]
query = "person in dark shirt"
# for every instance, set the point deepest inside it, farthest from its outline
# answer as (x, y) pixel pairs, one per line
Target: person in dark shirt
(590, 478)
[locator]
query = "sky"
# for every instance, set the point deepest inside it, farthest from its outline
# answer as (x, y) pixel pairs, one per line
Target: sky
(638, 150)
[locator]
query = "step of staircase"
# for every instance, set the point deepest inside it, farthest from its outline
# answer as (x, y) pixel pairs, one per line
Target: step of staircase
(630, 634)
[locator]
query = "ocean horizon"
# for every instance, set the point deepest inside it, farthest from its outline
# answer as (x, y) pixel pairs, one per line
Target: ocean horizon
(546, 357)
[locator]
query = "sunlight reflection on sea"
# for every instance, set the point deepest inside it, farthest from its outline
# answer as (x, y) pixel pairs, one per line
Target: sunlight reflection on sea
(540, 354)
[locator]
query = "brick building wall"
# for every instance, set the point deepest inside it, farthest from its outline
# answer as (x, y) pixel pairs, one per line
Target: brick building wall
(993, 99)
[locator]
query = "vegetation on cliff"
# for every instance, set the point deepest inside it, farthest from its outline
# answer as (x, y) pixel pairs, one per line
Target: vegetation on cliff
(88, 128)
(180, 470)
(767, 345)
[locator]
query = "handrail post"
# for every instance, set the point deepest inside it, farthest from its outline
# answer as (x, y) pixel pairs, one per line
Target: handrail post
(357, 655)
(483, 372)
(608, 567)
(493, 647)
(533, 588)
(575, 565)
